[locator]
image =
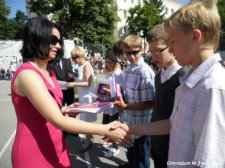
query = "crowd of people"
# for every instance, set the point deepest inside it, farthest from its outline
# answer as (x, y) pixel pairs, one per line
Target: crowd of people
(7, 74)
(172, 112)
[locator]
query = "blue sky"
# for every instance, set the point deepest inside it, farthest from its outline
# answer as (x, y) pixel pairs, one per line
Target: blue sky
(184, 1)
(15, 5)
(20, 5)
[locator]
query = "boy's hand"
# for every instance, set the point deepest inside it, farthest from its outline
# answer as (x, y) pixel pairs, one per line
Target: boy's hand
(70, 75)
(126, 141)
(120, 103)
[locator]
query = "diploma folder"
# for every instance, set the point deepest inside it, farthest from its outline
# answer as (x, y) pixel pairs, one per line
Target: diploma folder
(90, 107)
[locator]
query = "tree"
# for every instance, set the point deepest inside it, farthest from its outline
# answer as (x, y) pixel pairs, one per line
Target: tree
(92, 21)
(10, 28)
(20, 21)
(221, 9)
(143, 18)
(4, 12)
(20, 17)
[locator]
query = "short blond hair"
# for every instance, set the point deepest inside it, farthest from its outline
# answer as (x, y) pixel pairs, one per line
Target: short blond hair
(202, 15)
(131, 41)
(78, 52)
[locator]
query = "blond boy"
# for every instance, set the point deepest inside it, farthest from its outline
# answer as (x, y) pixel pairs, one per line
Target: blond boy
(138, 100)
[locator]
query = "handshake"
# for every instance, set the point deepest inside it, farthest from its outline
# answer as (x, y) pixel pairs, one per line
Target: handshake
(114, 132)
(119, 133)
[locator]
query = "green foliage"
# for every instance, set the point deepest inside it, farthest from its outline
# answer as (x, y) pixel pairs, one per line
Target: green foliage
(143, 18)
(20, 17)
(221, 9)
(4, 11)
(92, 21)
(10, 28)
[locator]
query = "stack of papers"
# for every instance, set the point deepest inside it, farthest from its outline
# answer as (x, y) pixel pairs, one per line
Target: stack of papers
(90, 108)
(107, 90)
(63, 84)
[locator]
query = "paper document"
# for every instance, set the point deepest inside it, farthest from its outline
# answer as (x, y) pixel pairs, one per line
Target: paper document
(63, 84)
(108, 90)
(90, 108)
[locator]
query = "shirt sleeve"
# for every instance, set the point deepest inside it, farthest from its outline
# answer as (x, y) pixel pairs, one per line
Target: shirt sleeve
(147, 86)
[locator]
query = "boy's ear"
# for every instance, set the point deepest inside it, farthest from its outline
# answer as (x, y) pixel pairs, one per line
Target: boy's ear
(197, 36)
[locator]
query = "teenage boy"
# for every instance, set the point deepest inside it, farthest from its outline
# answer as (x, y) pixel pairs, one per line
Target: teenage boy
(196, 126)
(139, 92)
(166, 81)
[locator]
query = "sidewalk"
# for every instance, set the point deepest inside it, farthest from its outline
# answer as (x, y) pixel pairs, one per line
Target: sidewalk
(94, 157)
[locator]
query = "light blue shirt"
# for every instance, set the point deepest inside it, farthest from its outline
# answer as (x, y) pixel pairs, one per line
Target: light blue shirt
(138, 87)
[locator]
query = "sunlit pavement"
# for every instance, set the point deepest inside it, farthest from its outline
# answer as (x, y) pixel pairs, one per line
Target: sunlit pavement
(93, 158)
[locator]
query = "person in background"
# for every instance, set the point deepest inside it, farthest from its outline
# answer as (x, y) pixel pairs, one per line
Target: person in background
(64, 72)
(166, 81)
(85, 87)
(3, 74)
(12, 69)
(19, 63)
(118, 51)
(138, 101)
(112, 70)
(196, 125)
(37, 99)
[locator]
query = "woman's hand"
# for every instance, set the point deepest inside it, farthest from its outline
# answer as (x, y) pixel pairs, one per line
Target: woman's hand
(122, 126)
(117, 135)
(65, 110)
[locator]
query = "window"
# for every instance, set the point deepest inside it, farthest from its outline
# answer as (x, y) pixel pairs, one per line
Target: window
(166, 10)
(172, 11)
(125, 14)
(139, 2)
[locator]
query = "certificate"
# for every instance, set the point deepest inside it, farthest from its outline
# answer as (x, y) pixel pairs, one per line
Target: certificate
(90, 107)
(63, 84)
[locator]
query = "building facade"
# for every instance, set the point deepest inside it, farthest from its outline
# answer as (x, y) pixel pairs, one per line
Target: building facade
(123, 7)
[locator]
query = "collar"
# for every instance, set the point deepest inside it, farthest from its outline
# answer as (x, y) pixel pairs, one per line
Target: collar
(169, 72)
(139, 62)
(196, 75)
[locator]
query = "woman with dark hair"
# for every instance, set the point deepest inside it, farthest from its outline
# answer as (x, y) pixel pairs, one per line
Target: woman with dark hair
(37, 99)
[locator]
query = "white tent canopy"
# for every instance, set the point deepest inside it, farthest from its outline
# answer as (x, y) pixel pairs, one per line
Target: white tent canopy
(10, 48)
(10, 51)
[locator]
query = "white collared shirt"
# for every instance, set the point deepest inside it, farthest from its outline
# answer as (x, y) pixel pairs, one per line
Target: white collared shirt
(198, 119)
(166, 74)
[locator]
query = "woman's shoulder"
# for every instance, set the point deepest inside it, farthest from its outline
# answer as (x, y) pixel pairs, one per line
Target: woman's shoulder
(24, 67)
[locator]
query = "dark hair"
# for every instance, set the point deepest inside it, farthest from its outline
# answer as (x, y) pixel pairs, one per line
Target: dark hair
(157, 33)
(117, 48)
(110, 55)
(37, 34)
